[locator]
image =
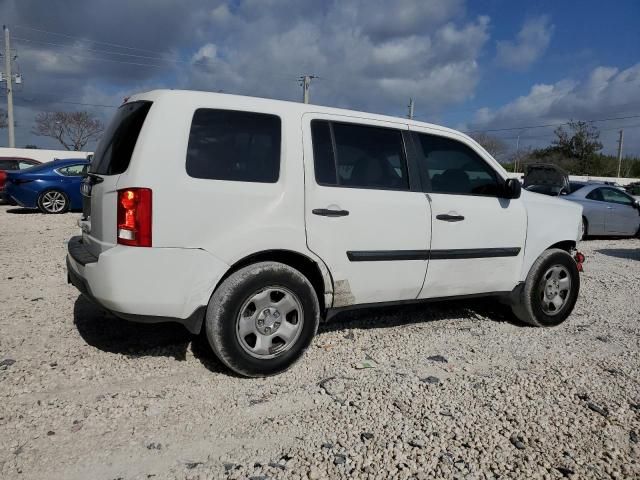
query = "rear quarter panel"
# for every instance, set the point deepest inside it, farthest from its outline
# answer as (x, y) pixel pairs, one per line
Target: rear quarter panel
(228, 219)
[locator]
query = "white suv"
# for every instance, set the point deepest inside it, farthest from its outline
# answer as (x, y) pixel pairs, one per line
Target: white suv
(251, 219)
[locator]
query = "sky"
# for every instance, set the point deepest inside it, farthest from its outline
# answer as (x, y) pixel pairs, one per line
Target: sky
(497, 66)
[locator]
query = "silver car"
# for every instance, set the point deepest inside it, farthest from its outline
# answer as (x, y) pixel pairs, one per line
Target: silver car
(607, 210)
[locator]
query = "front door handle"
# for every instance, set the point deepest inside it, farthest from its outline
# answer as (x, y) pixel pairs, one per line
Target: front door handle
(450, 218)
(325, 212)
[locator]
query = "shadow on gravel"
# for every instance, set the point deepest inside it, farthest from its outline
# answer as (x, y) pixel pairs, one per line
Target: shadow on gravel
(22, 211)
(392, 316)
(626, 253)
(108, 333)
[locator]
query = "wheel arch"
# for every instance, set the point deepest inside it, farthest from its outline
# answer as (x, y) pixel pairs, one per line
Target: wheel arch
(566, 245)
(314, 270)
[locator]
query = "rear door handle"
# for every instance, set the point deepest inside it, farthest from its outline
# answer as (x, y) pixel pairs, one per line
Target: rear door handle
(450, 218)
(325, 212)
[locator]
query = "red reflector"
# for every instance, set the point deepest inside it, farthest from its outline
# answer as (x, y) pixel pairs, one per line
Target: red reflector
(134, 217)
(579, 258)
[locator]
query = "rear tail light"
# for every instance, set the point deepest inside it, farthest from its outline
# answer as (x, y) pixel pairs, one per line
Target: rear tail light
(134, 217)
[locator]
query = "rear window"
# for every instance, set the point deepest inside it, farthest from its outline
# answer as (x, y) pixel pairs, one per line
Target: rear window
(574, 187)
(8, 165)
(114, 151)
(233, 145)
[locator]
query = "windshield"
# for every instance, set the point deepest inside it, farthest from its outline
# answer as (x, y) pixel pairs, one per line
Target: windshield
(114, 151)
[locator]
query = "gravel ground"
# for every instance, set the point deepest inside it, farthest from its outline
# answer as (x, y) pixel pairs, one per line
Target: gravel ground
(453, 390)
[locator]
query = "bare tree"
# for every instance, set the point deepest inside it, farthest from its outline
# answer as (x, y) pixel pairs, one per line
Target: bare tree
(495, 146)
(3, 119)
(72, 129)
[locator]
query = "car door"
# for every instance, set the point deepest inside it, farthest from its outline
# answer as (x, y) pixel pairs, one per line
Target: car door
(363, 216)
(622, 217)
(477, 236)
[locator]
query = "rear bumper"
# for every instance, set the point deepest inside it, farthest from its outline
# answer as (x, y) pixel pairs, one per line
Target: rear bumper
(149, 285)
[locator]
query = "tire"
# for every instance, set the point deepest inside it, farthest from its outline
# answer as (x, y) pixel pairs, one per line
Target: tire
(537, 303)
(249, 310)
(53, 201)
(585, 227)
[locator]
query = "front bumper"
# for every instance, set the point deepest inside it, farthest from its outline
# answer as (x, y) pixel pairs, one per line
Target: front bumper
(149, 285)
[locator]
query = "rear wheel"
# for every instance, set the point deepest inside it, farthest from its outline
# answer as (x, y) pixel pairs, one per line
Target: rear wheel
(550, 291)
(584, 227)
(262, 318)
(53, 201)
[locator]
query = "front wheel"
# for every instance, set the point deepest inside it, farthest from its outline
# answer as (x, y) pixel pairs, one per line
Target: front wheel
(53, 201)
(262, 318)
(550, 291)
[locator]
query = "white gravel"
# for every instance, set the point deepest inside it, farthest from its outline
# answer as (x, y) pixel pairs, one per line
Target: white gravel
(85, 395)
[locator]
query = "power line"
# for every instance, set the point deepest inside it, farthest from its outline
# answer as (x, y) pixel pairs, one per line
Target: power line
(31, 100)
(85, 39)
(549, 125)
(108, 52)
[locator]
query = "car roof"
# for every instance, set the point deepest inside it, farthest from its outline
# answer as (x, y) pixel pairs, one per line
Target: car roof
(266, 103)
(20, 158)
(66, 161)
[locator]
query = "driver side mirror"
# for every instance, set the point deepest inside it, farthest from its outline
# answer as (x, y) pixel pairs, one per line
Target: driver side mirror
(512, 188)
(636, 204)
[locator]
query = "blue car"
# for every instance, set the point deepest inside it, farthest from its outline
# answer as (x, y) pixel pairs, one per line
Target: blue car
(52, 187)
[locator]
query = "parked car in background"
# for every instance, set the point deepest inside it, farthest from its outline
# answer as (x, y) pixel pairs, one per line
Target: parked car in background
(52, 187)
(606, 210)
(633, 189)
(265, 216)
(546, 178)
(9, 164)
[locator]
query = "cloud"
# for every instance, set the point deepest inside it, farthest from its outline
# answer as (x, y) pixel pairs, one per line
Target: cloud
(424, 49)
(606, 92)
(531, 42)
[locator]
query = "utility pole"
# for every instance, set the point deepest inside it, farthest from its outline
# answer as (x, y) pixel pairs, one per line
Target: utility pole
(305, 82)
(620, 151)
(515, 164)
(410, 116)
(7, 66)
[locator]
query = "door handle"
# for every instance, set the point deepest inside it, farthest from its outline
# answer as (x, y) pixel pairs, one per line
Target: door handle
(325, 212)
(450, 218)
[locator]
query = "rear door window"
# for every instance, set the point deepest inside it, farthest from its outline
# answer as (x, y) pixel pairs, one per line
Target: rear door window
(359, 156)
(113, 154)
(234, 145)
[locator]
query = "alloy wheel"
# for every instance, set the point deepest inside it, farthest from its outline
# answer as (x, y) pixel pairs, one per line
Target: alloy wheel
(554, 289)
(269, 322)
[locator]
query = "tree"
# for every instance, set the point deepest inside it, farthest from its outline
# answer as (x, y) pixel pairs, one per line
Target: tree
(491, 144)
(72, 129)
(580, 141)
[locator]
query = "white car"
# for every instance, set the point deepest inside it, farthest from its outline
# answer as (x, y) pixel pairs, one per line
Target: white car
(252, 219)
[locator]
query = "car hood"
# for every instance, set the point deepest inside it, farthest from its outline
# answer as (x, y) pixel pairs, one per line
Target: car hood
(546, 174)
